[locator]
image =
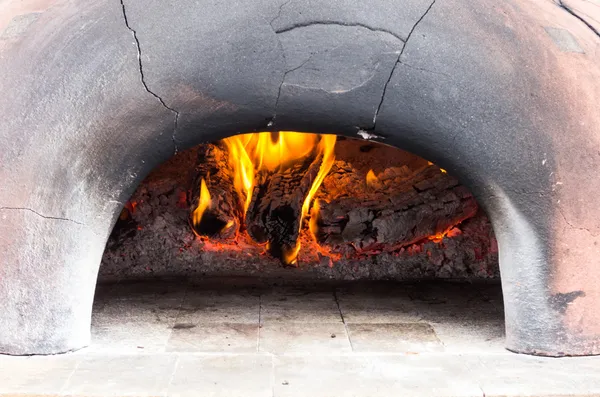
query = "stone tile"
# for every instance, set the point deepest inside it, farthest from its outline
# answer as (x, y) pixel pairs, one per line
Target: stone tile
(382, 308)
(136, 311)
(456, 293)
(140, 337)
(376, 288)
(310, 338)
(397, 338)
(458, 310)
(215, 376)
(214, 306)
(33, 375)
(389, 375)
(451, 315)
(140, 375)
(492, 292)
(227, 337)
(314, 291)
(162, 289)
(312, 307)
(521, 375)
(484, 336)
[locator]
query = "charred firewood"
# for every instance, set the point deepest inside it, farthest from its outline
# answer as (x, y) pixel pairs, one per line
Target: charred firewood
(275, 211)
(408, 207)
(215, 206)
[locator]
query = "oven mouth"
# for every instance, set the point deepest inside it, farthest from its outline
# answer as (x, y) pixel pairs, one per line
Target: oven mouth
(295, 204)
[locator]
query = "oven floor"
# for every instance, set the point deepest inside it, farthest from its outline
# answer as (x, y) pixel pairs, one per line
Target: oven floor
(239, 337)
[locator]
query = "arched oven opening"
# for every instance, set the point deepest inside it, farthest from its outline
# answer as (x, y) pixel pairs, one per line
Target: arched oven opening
(346, 236)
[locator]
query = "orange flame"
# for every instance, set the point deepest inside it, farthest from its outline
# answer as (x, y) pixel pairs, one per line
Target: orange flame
(443, 171)
(204, 202)
(239, 158)
(450, 232)
(326, 146)
(251, 153)
(372, 180)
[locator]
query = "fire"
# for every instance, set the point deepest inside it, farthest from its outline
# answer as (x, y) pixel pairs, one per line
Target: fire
(443, 171)
(263, 202)
(372, 180)
(204, 202)
(243, 178)
(451, 232)
(326, 146)
(251, 154)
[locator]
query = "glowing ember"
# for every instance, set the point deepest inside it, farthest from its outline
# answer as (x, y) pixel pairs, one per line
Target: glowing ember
(439, 237)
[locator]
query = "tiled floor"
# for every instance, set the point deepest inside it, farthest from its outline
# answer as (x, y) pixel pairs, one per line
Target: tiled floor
(234, 338)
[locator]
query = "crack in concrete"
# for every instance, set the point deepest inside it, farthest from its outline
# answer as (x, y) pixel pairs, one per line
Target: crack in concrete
(277, 32)
(338, 23)
(279, 13)
(283, 82)
(576, 15)
(337, 302)
(143, 79)
(398, 61)
(573, 226)
(43, 216)
(271, 123)
(312, 54)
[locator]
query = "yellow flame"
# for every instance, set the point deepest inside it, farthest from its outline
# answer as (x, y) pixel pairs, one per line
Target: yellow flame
(250, 153)
(204, 202)
(441, 169)
(291, 257)
(326, 147)
(271, 151)
(371, 178)
(243, 176)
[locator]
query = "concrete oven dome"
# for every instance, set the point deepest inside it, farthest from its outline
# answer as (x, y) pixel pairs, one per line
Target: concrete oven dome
(504, 95)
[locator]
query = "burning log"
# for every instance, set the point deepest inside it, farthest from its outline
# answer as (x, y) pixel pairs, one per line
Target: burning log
(215, 210)
(395, 211)
(272, 175)
(276, 209)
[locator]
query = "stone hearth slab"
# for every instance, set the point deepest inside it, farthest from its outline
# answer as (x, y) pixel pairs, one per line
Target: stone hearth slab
(455, 349)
